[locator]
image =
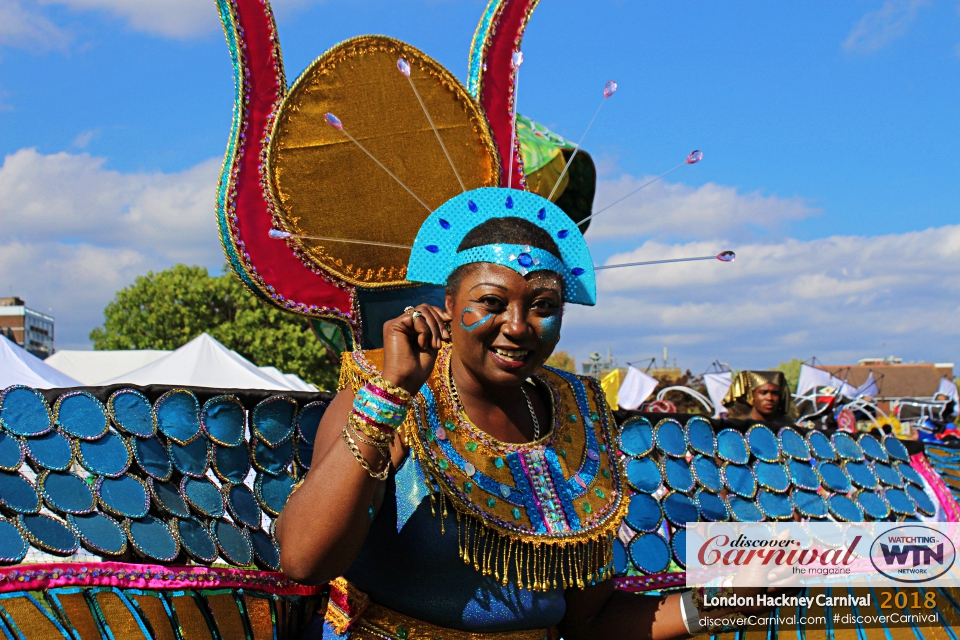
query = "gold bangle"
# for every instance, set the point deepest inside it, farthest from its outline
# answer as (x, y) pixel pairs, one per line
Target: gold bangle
(355, 450)
(360, 425)
(382, 447)
(401, 393)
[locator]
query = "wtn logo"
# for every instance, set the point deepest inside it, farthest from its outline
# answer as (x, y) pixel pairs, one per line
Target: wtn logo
(912, 553)
(922, 554)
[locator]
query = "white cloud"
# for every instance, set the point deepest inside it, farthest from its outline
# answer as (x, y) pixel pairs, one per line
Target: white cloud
(168, 18)
(839, 298)
(676, 210)
(878, 28)
(75, 232)
(23, 27)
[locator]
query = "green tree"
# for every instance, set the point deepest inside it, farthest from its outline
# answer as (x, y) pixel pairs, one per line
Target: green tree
(791, 371)
(166, 310)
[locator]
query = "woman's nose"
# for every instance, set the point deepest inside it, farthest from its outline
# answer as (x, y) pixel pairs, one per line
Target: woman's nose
(515, 323)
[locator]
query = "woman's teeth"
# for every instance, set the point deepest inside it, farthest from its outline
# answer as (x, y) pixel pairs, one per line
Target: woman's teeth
(514, 355)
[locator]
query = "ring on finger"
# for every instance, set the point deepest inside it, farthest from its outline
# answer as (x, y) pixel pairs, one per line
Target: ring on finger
(410, 310)
(416, 314)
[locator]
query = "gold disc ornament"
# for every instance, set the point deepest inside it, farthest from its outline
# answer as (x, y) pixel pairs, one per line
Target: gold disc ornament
(324, 184)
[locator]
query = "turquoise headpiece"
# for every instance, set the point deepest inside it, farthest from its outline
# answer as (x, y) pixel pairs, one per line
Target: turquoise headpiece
(434, 256)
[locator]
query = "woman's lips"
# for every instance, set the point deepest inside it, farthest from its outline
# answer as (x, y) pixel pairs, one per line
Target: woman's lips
(509, 364)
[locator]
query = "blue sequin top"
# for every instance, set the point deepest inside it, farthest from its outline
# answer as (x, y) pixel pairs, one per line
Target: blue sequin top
(417, 571)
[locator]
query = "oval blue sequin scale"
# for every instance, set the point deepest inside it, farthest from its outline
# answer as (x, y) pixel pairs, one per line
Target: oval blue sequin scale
(203, 496)
(13, 546)
(168, 499)
(272, 492)
(178, 416)
(763, 444)
(644, 513)
(803, 475)
(52, 451)
(873, 505)
(243, 506)
(888, 475)
(18, 494)
(775, 505)
(66, 492)
(11, 452)
(196, 540)
(707, 473)
(701, 437)
(81, 415)
(191, 459)
(272, 460)
(834, 478)
(895, 449)
(921, 499)
(49, 534)
(124, 496)
(678, 509)
(793, 445)
(273, 420)
(132, 413)
(222, 419)
(24, 412)
(731, 447)
(265, 551)
(152, 458)
(649, 553)
(231, 464)
(820, 445)
(669, 437)
(636, 438)
(233, 542)
(844, 509)
(677, 473)
(106, 456)
(872, 448)
(152, 538)
(678, 543)
(712, 507)
(743, 510)
(643, 474)
(99, 533)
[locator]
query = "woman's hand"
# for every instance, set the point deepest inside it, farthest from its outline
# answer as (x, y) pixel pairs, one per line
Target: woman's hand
(410, 345)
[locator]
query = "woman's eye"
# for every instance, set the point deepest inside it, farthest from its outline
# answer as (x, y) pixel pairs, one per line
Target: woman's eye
(493, 303)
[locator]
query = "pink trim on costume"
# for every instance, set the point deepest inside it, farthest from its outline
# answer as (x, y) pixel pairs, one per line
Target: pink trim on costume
(36, 577)
(922, 466)
(636, 584)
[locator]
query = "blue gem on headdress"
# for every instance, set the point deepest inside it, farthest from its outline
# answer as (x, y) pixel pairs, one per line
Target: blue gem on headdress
(509, 202)
(472, 206)
(577, 271)
(562, 233)
(525, 260)
(444, 223)
(432, 248)
(542, 214)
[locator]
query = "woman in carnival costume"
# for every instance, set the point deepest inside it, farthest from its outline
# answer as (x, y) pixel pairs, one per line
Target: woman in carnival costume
(499, 519)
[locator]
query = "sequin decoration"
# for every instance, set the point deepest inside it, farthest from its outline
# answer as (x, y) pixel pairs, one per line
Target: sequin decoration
(65, 492)
(106, 456)
(196, 540)
(233, 542)
(203, 497)
(670, 438)
(222, 419)
(273, 420)
(126, 496)
(11, 452)
(272, 492)
(131, 412)
(649, 553)
(18, 494)
(24, 412)
(99, 533)
(191, 459)
(243, 505)
(13, 546)
(152, 539)
(636, 437)
(81, 415)
(152, 458)
(51, 450)
(231, 464)
(49, 534)
(168, 499)
(178, 416)
(265, 550)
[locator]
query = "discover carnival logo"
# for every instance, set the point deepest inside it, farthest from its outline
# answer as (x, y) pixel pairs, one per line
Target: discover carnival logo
(913, 553)
(724, 551)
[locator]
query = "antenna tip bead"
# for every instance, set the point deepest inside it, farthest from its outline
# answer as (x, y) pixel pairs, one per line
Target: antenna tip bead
(404, 67)
(278, 234)
(609, 89)
(334, 121)
(517, 59)
(695, 157)
(726, 256)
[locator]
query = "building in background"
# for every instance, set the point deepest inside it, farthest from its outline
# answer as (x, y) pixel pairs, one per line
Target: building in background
(895, 379)
(30, 329)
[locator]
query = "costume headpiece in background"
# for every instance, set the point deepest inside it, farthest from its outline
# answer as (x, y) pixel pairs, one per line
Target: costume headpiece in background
(341, 198)
(739, 398)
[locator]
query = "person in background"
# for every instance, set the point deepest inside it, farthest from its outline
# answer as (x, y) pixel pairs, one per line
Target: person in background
(760, 395)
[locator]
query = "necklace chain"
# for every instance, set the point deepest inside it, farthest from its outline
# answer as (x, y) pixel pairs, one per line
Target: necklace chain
(533, 414)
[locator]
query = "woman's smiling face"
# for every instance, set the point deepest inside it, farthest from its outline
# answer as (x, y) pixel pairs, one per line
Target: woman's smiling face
(505, 325)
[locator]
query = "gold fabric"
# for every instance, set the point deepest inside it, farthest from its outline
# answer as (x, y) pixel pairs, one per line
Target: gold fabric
(739, 398)
(260, 615)
(226, 614)
(193, 624)
(77, 611)
(30, 620)
(325, 185)
(156, 616)
(118, 616)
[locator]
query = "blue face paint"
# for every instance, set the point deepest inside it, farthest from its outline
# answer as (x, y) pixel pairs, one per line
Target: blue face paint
(471, 327)
(550, 328)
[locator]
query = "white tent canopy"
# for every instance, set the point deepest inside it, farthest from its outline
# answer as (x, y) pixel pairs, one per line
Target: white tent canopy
(204, 362)
(18, 366)
(93, 367)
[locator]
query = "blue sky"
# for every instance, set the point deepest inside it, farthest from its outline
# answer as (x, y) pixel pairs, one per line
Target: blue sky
(829, 133)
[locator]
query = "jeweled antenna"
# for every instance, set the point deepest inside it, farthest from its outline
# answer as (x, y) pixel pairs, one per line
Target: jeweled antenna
(609, 89)
(723, 256)
(515, 62)
(280, 234)
(404, 68)
(692, 158)
(334, 122)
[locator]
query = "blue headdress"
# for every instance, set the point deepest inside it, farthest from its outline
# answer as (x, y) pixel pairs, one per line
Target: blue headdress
(434, 256)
